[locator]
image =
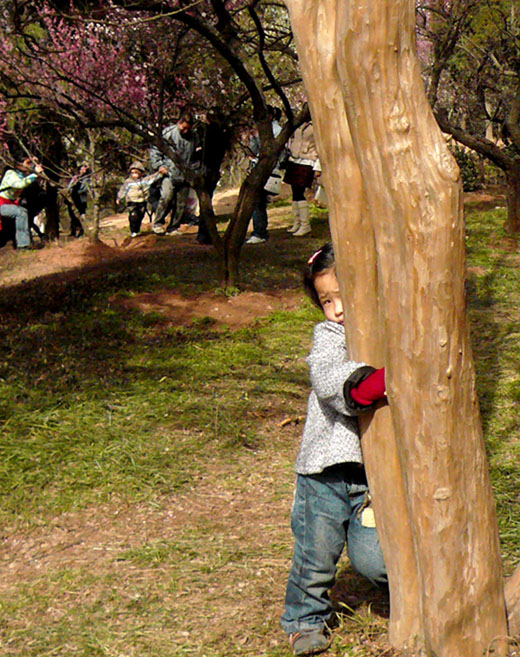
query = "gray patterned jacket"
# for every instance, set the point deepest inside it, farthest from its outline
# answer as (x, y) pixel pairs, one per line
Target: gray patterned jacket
(331, 434)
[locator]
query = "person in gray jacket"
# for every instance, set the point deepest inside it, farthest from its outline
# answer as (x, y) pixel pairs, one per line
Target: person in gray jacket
(174, 187)
(331, 505)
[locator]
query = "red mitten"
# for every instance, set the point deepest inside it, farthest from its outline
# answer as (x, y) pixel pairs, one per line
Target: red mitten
(370, 390)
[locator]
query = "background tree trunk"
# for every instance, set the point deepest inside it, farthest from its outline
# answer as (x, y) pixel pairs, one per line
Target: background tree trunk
(52, 213)
(414, 221)
(513, 197)
(97, 179)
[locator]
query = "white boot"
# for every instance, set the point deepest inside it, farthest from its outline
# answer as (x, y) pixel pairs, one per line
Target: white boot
(305, 224)
(296, 218)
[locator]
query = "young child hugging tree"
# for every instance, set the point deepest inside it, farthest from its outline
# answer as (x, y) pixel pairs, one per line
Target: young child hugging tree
(135, 192)
(330, 505)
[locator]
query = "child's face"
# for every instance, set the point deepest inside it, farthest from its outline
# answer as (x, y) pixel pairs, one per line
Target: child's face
(135, 173)
(327, 287)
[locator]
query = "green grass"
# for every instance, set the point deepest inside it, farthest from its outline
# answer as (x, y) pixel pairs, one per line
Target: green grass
(99, 401)
(494, 294)
(108, 405)
(106, 410)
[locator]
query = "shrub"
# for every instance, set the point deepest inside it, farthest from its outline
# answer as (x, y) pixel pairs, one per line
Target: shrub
(469, 166)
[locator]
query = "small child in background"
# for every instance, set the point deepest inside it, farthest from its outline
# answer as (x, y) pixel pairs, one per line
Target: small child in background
(135, 192)
(331, 501)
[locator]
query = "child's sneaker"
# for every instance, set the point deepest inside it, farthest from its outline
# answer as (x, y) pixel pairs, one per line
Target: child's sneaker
(310, 641)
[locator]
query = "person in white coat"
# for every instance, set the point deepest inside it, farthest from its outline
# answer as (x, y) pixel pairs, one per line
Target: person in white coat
(299, 174)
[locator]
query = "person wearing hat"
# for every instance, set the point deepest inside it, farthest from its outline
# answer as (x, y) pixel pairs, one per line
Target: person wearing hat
(135, 192)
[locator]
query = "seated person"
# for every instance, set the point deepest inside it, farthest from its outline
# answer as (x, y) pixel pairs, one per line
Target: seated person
(12, 214)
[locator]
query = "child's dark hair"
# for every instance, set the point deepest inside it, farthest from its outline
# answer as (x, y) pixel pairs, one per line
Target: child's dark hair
(319, 262)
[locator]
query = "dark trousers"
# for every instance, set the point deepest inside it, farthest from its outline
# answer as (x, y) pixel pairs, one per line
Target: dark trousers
(298, 193)
(76, 229)
(7, 231)
(260, 218)
(136, 212)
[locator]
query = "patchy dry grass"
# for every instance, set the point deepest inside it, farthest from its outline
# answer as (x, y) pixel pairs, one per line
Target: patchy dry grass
(199, 573)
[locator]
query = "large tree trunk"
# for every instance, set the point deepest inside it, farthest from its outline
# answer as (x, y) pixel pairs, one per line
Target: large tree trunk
(513, 198)
(416, 215)
(416, 264)
(314, 28)
(512, 593)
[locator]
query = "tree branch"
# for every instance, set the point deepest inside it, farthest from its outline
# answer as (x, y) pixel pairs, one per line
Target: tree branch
(482, 146)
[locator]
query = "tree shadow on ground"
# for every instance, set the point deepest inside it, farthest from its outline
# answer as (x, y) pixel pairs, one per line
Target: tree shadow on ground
(352, 592)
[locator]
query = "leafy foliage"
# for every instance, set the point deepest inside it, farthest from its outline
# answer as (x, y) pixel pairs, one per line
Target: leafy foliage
(470, 51)
(469, 169)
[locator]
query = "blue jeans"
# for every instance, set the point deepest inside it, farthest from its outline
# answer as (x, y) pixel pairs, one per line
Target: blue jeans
(19, 214)
(326, 516)
(260, 218)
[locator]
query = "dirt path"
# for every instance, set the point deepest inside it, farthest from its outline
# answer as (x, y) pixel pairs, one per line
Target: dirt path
(68, 253)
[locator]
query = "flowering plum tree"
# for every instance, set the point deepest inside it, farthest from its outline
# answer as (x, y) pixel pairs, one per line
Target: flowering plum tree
(78, 77)
(111, 64)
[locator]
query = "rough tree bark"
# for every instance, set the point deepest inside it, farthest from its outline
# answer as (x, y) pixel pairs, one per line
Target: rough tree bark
(512, 592)
(97, 180)
(405, 235)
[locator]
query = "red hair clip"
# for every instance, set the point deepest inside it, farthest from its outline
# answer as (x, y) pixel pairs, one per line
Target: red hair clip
(314, 256)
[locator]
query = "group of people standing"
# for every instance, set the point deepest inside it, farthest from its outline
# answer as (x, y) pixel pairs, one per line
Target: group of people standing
(202, 149)
(189, 149)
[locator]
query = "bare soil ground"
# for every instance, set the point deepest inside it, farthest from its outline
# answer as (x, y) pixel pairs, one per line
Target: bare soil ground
(68, 254)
